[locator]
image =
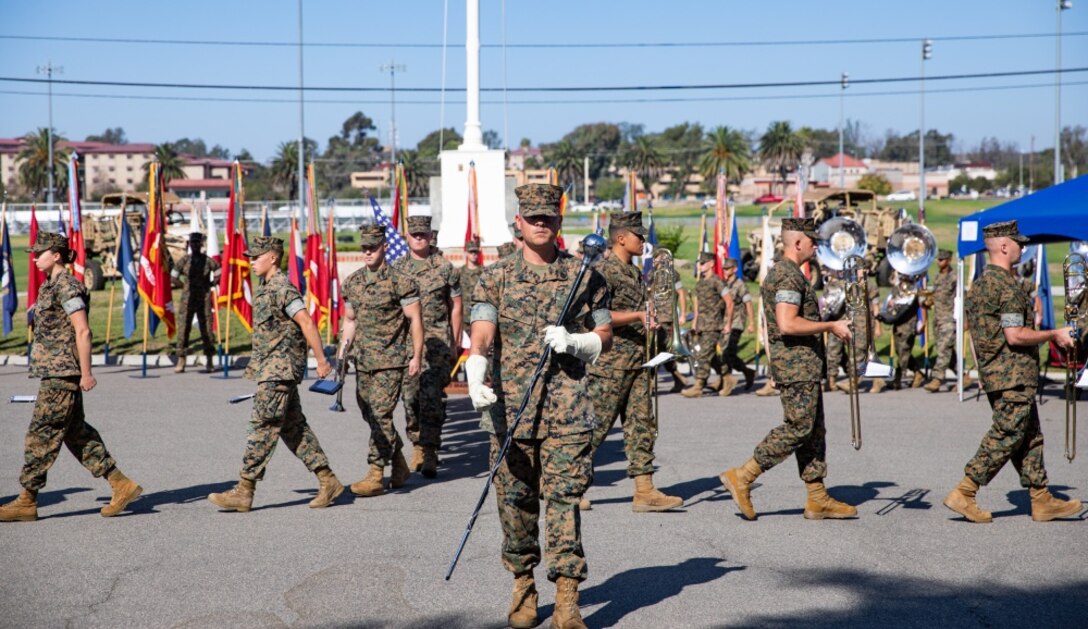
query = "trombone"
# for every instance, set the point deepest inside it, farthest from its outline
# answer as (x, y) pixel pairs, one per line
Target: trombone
(1075, 276)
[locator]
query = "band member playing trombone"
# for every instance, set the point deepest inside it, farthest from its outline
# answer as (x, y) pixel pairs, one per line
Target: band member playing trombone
(516, 304)
(282, 329)
(795, 334)
(999, 315)
(618, 384)
(381, 308)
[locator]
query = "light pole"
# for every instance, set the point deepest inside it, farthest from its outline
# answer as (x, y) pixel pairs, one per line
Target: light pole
(392, 68)
(301, 126)
(1063, 5)
(842, 106)
(927, 52)
(49, 70)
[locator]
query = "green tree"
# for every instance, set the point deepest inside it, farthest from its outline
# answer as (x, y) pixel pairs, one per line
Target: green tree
(34, 170)
(284, 169)
(428, 147)
(492, 140)
(1074, 151)
(874, 182)
(646, 160)
(416, 173)
(115, 135)
(682, 146)
(170, 163)
(608, 188)
(780, 149)
(904, 148)
(599, 141)
(566, 160)
(725, 150)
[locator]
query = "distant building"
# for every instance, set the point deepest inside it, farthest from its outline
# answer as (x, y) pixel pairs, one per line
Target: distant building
(828, 170)
(516, 158)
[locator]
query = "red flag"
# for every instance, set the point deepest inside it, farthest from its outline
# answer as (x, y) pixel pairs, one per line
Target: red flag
(235, 289)
(154, 282)
(35, 278)
(317, 275)
(721, 241)
(75, 219)
(336, 305)
(472, 225)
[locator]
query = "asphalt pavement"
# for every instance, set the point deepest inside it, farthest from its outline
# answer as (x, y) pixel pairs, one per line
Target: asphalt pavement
(175, 560)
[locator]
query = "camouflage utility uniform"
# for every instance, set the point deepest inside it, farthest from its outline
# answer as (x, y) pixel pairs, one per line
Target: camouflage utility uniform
(797, 365)
(664, 318)
(277, 364)
(709, 321)
(904, 335)
(381, 350)
(551, 451)
(467, 278)
(58, 412)
(1010, 374)
(837, 351)
(738, 288)
(424, 408)
(617, 383)
(944, 299)
(197, 272)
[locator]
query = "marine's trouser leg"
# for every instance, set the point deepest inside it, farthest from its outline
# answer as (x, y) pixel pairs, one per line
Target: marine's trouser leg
(434, 378)
(377, 393)
(802, 433)
(664, 344)
(185, 326)
(58, 419)
(707, 354)
(625, 395)
(409, 392)
(203, 321)
(730, 360)
(1015, 435)
(834, 356)
(904, 335)
(277, 413)
(946, 345)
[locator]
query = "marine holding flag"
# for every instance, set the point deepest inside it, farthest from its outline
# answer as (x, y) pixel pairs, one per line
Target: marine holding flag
(9, 302)
(61, 357)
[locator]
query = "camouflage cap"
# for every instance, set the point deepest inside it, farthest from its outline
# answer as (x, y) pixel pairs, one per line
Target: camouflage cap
(705, 256)
(48, 240)
(807, 226)
(1006, 229)
(419, 224)
(631, 221)
(472, 246)
(729, 263)
(538, 199)
(371, 234)
(944, 254)
(263, 244)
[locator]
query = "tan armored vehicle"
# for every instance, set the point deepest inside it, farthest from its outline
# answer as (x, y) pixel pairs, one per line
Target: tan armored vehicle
(101, 234)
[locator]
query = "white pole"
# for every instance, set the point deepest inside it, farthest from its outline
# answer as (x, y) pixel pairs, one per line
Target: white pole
(1062, 5)
(301, 121)
(585, 179)
(474, 137)
(959, 329)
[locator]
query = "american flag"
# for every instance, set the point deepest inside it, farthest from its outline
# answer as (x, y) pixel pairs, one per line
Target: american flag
(395, 245)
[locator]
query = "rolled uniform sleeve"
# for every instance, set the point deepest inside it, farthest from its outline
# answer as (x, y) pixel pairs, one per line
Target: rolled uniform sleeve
(71, 300)
(790, 290)
(485, 299)
(599, 300)
(1010, 308)
(455, 282)
(407, 290)
(293, 307)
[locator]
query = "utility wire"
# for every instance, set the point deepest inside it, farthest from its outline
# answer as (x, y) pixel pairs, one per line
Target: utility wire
(546, 45)
(609, 88)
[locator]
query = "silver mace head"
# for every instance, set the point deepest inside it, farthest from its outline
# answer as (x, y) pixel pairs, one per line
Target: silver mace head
(593, 245)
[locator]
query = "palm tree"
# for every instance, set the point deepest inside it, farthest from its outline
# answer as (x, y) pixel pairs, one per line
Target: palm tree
(780, 149)
(285, 168)
(415, 172)
(564, 157)
(171, 164)
(34, 170)
(727, 152)
(645, 159)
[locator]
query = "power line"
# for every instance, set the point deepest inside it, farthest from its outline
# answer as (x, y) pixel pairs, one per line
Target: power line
(715, 99)
(544, 45)
(610, 88)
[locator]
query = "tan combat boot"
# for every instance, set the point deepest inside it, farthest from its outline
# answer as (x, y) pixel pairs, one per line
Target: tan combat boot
(727, 385)
(934, 385)
(399, 476)
(372, 485)
(846, 387)
(679, 382)
(1045, 507)
(878, 385)
(22, 509)
(522, 613)
(238, 498)
(821, 506)
(566, 614)
(768, 390)
(329, 489)
(430, 462)
(647, 499)
(696, 389)
(585, 505)
(417, 458)
(180, 367)
(124, 492)
(919, 380)
(962, 501)
(739, 483)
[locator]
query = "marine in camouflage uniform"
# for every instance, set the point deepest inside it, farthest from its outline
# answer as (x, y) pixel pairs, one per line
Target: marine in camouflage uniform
(469, 274)
(741, 301)
(943, 309)
(904, 335)
(618, 384)
(440, 295)
(282, 329)
(61, 357)
(710, 294)
(999, 311)
(664, 318)
(197, 273)
(383, 325)
(797, 365)
(838, 352)
(514, 305)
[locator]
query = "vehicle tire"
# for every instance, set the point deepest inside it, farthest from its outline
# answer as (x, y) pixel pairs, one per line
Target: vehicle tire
(884, 273)
(93, 278)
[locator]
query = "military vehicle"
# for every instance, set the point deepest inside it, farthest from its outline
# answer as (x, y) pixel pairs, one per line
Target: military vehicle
(102, 232)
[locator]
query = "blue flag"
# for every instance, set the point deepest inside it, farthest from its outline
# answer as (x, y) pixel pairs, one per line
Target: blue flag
(61, 228)
(7, 279)
(734, 243)
(266, 227)
(1045, 294)
(649, 246)
(130, 301)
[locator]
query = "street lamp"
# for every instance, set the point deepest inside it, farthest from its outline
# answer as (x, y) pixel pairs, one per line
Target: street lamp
(49, 70)
(392, 68)
(927, 52)
(845, 82)
(1063, 5)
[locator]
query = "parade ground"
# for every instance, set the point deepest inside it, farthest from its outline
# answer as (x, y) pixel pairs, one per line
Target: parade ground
(175, 560)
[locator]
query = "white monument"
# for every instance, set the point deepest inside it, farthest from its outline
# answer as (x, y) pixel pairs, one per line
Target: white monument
(452, 212)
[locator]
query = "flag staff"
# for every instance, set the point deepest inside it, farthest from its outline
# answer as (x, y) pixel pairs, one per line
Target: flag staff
(113, 281)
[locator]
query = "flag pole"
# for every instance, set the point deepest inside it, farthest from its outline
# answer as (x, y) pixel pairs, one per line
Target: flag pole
(113, 282)
(328, 274)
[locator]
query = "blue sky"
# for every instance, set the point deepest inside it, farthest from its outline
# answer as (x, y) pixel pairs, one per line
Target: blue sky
(1013, 115)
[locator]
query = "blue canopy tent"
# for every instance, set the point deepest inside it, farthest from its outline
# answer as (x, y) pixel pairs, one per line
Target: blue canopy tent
(1055, 214)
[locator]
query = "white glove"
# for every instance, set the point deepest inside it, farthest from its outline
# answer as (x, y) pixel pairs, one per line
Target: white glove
(482, 396)
(586, 347)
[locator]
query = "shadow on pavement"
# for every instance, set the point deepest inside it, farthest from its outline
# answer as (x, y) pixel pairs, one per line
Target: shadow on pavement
(1021, 501)
(49, 498)
(148, 503)
(899, 600)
